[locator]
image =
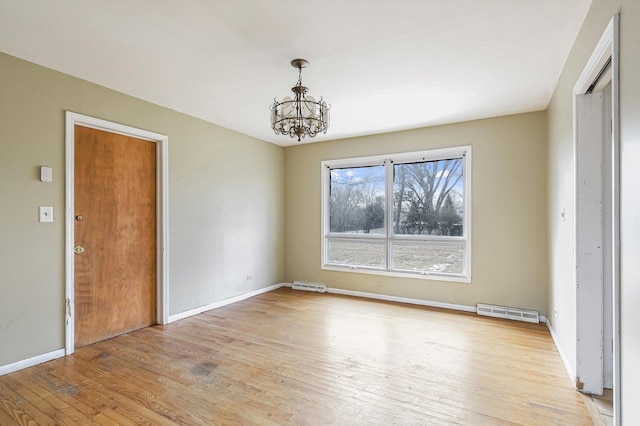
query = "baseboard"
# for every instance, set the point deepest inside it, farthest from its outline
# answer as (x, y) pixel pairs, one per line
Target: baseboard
(408, 300)
(564, 359)
(30, 362)
(390, 298)
(222, 303)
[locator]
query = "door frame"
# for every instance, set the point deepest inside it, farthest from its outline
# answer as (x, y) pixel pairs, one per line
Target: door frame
(587, 347)
(589, 254)
(162, 214)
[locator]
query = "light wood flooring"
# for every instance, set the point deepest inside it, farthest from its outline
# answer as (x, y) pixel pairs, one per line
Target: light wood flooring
(296, 358)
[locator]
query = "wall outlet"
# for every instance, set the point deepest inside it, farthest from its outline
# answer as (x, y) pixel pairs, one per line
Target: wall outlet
(249, 277)
(379, 284)
(45, 213)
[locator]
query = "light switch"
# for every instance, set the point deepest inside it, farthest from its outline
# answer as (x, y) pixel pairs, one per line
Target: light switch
(46, 214)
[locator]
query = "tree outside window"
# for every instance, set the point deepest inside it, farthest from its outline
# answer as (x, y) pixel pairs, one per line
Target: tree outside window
(404, 215)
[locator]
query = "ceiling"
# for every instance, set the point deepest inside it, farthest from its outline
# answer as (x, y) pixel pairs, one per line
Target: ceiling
(383, 65)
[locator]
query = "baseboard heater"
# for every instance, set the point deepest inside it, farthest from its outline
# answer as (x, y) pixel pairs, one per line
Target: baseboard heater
(506, 312)
(302, 285)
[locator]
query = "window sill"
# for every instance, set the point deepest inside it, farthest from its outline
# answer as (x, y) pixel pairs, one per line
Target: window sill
(460, 278)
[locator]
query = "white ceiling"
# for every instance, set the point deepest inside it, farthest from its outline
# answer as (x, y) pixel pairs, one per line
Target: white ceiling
(383, 65)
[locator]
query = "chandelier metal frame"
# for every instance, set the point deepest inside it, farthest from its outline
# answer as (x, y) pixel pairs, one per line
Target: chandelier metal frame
(301, 115)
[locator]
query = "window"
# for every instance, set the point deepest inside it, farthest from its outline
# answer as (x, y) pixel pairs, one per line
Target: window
(406, 214)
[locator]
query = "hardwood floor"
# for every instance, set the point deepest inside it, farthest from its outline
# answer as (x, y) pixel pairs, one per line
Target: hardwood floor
(291, 357)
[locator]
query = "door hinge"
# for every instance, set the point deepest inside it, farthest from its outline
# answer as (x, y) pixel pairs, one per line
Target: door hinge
(68, 307)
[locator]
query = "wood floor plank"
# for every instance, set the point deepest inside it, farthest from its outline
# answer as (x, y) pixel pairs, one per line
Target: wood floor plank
(297, 358)
(11, 413)
(35, 389)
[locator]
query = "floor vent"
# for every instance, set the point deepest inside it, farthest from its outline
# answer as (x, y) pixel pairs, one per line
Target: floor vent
(509, 313)
(301, 285)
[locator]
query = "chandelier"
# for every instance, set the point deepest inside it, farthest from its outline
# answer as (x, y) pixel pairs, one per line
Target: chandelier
(301, 115)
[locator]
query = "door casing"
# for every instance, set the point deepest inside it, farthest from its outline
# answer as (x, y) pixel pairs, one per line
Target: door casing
(587, 350)
(162, 210)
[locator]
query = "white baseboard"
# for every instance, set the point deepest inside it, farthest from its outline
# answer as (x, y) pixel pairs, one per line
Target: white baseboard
(389, 298)
(222, 303)
(9, 368)
(564, 359)
(421, 302)
(30, 362)
(409, 300)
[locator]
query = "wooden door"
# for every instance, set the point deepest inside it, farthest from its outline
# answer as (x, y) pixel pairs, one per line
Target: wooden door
(115, 234)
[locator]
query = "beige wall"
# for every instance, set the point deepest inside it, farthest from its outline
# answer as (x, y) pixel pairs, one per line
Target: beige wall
(509, 228)
(226, 198)
(562, 293)
(561, 279)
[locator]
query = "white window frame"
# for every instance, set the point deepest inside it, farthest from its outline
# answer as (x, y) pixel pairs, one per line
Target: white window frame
(389, 238)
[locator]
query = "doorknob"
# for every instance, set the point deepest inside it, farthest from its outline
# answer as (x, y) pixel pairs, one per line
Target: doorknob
(78, 249)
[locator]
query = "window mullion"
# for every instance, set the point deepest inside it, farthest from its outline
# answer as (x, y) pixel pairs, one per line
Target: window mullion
(388, 164)
(425, 244)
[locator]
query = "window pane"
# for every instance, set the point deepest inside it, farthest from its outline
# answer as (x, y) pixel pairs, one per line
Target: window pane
(357, 253)
(357, 203)
(428, 198)
(428, 257)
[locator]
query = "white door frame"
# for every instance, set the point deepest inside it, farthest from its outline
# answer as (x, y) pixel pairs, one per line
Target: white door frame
(608, 240)
(589, 255)
(607, 47)
(162, 214)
